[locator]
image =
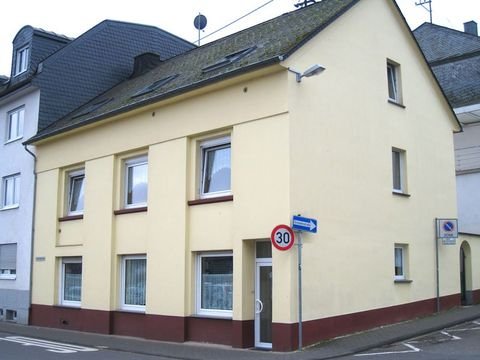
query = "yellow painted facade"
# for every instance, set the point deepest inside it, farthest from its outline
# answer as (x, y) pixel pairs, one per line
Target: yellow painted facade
(321, 148)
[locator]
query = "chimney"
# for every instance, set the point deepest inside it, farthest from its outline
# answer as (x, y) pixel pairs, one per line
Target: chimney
(471, 28)
(145, 62)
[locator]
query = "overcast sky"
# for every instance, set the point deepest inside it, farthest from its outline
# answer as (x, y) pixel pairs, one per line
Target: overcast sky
(72, 18)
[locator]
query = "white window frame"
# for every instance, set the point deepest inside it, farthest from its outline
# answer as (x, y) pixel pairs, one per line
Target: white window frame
(404, 253)
(22, 56)
(6, 183)
(129, 307)
(18, 124)
(393, 80)
(130, 163)
(71, 176)
(63, 262)
(401, 170)
(205, 147)
(8, 274)
(198, 287)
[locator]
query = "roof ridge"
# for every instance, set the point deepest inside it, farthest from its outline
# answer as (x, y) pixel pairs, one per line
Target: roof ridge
(459, 32)
(109, 21)
(52, 33)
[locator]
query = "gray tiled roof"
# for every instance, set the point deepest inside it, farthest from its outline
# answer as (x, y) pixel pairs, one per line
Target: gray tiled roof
(96, 61)
(89, 65)
(270, 41)
(460, 80)
(455, 60)
(441, 43)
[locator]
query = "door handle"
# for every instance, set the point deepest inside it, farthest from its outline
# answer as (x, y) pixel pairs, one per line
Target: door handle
(259, 307)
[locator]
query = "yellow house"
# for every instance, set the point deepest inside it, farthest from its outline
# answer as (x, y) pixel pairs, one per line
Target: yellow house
(156, 201)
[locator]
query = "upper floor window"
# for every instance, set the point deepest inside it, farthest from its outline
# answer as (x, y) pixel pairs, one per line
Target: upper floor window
(398, 171)
(21, 60)
(11, 191)
(393, 77)
(15, 124)
(136, 182)
(76, 186)
(216, 167)
(8, 261)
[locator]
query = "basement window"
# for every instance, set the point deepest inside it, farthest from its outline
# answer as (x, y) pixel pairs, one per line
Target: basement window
(229, 59)
(155, 86)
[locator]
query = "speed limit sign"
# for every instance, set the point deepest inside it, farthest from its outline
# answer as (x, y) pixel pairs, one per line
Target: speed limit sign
(282, 237)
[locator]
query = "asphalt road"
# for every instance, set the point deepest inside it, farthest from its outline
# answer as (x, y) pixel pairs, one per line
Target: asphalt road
(14, 347)
(461, 342)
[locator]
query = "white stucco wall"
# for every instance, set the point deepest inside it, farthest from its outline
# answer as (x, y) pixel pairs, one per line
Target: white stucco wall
(16, 223)
(467, 164)
(467, 148)
(468, 195)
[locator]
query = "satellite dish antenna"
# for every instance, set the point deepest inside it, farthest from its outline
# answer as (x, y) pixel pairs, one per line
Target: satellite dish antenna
(200, 23)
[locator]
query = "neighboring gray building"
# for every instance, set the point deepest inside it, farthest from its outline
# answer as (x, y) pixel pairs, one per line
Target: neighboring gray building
(51, 75)
(455, 59)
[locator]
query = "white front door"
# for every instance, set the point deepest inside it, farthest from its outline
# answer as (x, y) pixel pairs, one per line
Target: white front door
(263, 303)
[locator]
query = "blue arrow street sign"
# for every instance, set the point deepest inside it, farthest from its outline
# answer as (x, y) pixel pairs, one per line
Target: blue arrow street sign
(304, 224)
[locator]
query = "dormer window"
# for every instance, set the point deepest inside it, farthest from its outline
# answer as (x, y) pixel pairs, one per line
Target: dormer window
(21, 60)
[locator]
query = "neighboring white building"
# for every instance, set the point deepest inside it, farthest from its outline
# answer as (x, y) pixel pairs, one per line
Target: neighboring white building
(19, 112)
(51, 75)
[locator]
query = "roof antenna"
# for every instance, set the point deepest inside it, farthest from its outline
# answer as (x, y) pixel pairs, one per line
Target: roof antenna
(423, 3)
(305, 3)
(200, 23)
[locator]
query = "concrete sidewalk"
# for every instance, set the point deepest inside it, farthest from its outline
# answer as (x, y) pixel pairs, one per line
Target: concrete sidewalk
(343, 346)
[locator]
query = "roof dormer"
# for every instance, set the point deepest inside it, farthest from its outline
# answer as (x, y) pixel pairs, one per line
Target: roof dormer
(30, 47)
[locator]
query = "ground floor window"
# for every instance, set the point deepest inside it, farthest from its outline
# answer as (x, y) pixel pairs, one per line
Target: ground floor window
(71, 283)
(214, 284)
(8, 261)
(134, 280)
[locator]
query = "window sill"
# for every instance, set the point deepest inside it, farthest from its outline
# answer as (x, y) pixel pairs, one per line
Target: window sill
(211, 200)
(400, 193)
(10, 207)
(67, 306)
(132, 311)
(213, 317)
(8, 277)
(13, 140)
(70, 218)
(402, 281)
(393, 102)
(130, 210)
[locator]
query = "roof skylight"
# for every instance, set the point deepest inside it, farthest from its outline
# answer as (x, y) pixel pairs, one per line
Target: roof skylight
(155, 86)
(92, 108)
(229, 59)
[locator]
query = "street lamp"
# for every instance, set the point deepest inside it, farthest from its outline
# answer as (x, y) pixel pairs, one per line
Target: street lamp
(311, 71)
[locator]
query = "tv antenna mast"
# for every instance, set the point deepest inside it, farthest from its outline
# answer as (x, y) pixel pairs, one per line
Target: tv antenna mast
(423, 3)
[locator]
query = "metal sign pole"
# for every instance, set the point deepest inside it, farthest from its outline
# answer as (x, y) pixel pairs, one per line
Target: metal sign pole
(437, 263)
(300, 335)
